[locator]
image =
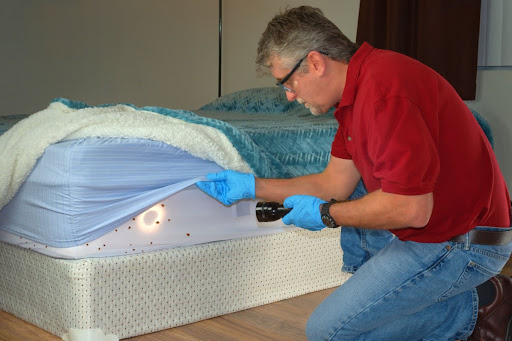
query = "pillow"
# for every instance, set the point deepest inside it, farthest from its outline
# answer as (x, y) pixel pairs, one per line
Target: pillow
(257, 100)
(485, 127)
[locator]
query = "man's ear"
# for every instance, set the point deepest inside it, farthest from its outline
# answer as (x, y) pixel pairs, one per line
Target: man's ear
(316, 63)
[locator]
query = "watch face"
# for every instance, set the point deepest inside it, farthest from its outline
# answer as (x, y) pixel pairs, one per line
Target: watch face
(327, 221)
(326, 217)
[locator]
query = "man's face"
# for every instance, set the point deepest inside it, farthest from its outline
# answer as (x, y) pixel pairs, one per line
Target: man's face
(303, 85)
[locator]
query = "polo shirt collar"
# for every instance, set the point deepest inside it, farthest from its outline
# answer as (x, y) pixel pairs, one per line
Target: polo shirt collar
(354, 68)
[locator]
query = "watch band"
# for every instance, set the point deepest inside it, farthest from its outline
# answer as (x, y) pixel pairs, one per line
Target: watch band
(327, 219)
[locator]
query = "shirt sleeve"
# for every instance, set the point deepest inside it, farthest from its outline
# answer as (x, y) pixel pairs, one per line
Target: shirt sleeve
(338, 148)
(402, 147)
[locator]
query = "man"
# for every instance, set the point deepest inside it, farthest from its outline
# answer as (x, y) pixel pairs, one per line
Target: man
(432, 178)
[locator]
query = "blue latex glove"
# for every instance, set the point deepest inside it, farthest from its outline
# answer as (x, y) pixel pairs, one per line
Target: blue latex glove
(305, 212)
(229, 186)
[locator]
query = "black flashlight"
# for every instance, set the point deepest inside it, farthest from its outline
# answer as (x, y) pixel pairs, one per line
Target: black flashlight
(270, 211)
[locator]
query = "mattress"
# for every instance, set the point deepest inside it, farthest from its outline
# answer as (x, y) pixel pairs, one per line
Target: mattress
(187, 217)
(89, 189)
(90, 198)
(169, 223)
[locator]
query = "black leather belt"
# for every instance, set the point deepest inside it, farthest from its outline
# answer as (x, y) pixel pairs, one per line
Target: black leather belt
(485, 237)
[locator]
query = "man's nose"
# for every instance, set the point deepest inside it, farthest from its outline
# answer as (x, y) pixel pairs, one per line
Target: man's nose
(291, 96)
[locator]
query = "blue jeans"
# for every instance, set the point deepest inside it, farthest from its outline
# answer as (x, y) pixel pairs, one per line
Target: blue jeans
(410, 291)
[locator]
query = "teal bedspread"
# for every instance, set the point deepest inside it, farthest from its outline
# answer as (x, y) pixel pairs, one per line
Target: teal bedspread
(299, 144)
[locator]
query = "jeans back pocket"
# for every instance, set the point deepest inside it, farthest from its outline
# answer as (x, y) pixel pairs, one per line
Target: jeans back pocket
(473, 275)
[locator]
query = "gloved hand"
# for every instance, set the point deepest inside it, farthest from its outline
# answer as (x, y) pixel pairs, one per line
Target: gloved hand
(229, 186)
(305, 212)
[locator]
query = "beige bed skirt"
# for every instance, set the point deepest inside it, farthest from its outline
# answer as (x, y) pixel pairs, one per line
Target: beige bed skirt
(134, 295)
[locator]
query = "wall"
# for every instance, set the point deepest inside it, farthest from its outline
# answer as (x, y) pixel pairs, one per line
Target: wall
(245, 20)
(494, 102)
(151, 52)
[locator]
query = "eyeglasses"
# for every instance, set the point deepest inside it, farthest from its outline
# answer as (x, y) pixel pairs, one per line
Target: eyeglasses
(287, 77)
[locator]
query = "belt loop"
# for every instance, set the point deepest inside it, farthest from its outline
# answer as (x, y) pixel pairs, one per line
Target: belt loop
(466, 241)
(363, 239)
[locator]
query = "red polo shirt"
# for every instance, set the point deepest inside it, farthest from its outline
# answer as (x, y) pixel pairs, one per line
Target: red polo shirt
(408, 132)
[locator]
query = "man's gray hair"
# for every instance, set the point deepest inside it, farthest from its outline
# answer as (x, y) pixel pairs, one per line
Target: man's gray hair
(292, 34)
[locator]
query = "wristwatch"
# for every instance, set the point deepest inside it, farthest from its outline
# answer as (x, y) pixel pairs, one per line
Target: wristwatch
(327, 219)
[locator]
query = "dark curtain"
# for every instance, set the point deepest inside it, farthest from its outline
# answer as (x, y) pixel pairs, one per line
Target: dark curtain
(442, 34)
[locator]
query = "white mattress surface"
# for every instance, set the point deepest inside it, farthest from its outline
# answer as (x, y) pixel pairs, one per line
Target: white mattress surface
(186, 218)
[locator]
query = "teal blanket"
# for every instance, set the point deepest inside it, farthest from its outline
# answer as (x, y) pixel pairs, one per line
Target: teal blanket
(275, 145)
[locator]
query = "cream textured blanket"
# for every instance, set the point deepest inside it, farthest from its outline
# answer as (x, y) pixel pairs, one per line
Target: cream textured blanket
(22, 145)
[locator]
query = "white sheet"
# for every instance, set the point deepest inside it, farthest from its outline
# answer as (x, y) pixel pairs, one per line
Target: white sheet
(186, 218)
